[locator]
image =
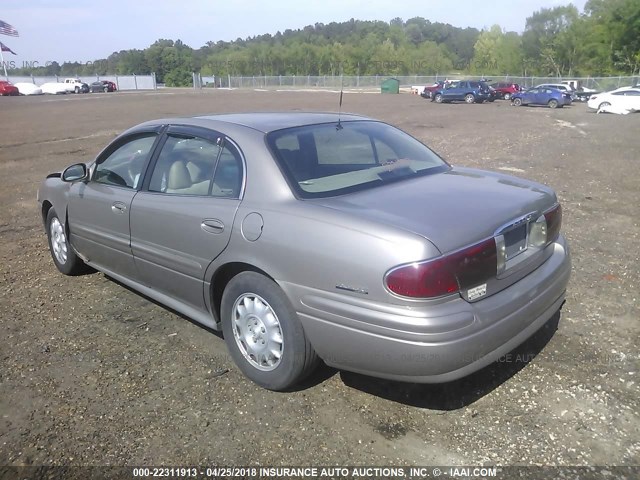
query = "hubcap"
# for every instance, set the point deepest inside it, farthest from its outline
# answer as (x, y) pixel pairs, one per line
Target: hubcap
(58, 241)
(257, 331)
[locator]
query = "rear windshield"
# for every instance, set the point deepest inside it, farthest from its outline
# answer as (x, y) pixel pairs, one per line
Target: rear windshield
(332, 159)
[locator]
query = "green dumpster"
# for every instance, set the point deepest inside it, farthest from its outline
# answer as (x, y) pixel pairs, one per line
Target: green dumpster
(390, 85)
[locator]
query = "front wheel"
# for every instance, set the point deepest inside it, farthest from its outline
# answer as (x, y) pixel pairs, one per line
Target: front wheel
(106, 89)
(517, 102)
(63, 255)
(553, 103)
(263, 333)
(604, 104)
(469, 98)
(438, 98)
(77, 89)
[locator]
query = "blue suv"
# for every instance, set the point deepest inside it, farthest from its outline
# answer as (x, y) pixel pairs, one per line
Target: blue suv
(469, 91)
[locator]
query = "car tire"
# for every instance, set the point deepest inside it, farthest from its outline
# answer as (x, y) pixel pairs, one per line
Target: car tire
(63, 255)
(105, 89)
(517, 102)
(470, 98)
(507, 96)
(438, 98)
(553, 103)
(263, 333)
(604, 104)
(77, 89)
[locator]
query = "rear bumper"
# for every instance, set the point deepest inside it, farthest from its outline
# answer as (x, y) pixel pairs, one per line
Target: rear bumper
(440, 343)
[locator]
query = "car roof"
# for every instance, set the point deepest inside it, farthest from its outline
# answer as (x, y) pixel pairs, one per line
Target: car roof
(262, 121)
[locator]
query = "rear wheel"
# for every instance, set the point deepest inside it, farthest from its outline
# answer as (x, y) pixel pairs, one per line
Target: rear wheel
(517, 102)
(77, 89)
(105, 89)
(469, 98)
(507, 96)
(263, 333)
(63, 255)
(553, 103)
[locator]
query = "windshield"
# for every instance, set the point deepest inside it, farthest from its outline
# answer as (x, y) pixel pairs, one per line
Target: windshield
(332, 159)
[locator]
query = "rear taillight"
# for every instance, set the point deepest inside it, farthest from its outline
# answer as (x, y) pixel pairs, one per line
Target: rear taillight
(470, 266)
(447, 274)
(554, 222)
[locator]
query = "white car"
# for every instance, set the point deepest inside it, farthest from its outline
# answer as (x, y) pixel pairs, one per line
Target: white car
(622, 101)
(54, 88)
(26, 88)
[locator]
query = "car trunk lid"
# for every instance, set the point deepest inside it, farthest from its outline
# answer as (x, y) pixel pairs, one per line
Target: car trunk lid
(459, 208)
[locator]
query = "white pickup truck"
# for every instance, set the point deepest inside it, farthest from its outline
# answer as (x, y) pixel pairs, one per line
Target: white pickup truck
(74, 85)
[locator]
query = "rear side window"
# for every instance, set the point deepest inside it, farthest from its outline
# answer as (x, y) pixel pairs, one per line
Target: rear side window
(185, 166)
(195, 166)
(332, 159)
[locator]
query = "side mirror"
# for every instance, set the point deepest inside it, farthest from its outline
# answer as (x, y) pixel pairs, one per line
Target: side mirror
(74, 173)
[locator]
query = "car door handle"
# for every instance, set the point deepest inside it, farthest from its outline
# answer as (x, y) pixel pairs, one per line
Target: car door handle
(212, 225)
(118, 207)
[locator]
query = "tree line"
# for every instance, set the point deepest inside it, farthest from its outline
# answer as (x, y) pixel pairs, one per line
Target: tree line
(560, 41)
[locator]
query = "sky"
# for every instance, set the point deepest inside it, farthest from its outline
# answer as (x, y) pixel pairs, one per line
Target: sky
(55, 30)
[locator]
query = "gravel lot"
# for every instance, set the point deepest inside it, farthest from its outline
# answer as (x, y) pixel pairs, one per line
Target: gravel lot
(94, 374)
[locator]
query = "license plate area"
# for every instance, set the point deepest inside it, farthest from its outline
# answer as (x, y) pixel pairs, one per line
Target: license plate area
(515, 241)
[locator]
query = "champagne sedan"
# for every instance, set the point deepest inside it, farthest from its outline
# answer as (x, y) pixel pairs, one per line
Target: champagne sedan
(315, 236)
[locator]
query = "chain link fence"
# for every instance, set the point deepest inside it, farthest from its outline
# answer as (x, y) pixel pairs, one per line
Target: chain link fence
(374, 82)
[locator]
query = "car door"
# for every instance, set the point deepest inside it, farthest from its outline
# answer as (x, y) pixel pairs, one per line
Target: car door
(632, 99)
(181, 220)
(540, 96)
(529, 96)
(449, 92)
(98, 210)
(457, 93)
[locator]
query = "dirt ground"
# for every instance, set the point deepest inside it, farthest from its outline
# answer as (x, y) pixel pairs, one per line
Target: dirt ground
(92, 373)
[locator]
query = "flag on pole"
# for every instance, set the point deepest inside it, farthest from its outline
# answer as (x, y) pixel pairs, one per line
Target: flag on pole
(4, 48)
(6, 29)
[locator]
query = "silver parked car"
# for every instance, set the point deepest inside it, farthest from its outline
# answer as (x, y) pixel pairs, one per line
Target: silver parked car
(305, 236)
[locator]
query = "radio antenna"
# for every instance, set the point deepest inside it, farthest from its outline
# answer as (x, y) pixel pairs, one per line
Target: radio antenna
(339, 125)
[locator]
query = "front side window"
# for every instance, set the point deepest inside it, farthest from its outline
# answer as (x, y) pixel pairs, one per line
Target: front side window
(123, 167)
(330, 159)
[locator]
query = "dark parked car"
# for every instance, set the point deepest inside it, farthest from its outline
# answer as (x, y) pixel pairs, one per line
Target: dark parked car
(541, 96)
(6, 89)
(313, 235)
(103, 86)
(469, 91)
(506, 90)
(84, 88)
